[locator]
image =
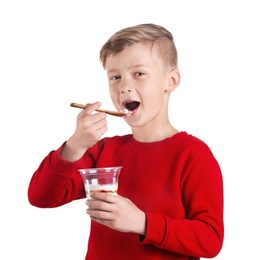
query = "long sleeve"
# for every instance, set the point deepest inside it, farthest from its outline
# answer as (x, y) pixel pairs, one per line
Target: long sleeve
(56, 181)
(200, 233)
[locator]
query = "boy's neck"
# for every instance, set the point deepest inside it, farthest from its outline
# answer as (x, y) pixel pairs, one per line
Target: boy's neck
(153, 135)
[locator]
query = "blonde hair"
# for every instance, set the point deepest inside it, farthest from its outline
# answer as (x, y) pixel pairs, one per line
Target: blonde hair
(144, 33)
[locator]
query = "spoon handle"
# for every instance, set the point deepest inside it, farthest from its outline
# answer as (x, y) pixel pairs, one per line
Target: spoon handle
(112, 113)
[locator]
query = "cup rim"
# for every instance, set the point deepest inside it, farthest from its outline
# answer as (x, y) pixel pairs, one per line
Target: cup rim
(94, 170)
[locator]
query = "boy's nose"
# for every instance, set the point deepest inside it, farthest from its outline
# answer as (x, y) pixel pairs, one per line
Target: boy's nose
(125, 90)
(125, 87)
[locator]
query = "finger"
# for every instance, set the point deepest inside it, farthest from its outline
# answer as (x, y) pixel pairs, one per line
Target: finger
(92, 107)
(99, 201)
(104, 196)
(99, 214)
(89, 109)
(100, 205)
(94, 116)
(98, 121)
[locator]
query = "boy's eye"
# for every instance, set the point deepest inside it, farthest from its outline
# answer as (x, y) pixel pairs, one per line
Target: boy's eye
(139, 73)
(115, 77)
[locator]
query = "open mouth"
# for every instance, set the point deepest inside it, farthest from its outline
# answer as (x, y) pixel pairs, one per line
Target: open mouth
(131, 105)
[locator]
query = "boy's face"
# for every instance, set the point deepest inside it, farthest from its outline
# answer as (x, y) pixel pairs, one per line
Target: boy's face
(139, 82)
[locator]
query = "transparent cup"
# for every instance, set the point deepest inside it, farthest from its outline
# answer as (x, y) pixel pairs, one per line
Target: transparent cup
(100, 179)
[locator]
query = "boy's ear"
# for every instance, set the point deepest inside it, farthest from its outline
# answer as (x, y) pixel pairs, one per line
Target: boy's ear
(174, 80)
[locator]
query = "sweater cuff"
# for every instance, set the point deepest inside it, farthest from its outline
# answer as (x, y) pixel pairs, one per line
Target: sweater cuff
(156, 229)
(60, 165)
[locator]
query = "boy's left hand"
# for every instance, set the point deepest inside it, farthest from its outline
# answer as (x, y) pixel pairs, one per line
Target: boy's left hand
(116, 212)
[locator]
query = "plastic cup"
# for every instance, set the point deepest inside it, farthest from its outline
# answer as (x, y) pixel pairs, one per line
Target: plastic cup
(100, 179)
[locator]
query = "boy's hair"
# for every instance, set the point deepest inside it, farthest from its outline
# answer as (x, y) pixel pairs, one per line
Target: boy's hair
(144, 33)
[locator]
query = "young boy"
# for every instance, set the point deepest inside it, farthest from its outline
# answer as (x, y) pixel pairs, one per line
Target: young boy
(170, 195)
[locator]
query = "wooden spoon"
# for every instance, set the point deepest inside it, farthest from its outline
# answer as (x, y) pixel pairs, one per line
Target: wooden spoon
(112, 113)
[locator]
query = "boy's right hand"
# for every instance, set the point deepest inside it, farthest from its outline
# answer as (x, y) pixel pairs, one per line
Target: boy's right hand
(89, 129)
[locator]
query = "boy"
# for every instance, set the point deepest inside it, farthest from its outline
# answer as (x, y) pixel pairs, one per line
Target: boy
(170, 202)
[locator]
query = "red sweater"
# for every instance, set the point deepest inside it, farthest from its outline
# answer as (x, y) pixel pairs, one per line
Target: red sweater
(177, 182)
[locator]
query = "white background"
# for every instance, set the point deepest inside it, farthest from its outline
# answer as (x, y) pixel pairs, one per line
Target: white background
(49, 57)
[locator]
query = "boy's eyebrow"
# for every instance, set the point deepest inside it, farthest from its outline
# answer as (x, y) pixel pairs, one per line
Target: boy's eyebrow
(130, 67)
